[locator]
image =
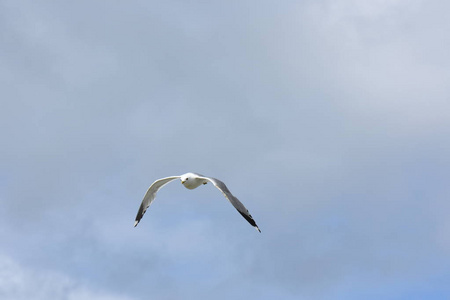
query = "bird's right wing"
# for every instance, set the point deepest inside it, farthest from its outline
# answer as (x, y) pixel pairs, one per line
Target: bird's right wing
(150, 196)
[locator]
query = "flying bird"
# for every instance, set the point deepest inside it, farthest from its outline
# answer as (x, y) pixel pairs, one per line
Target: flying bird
(192, 181)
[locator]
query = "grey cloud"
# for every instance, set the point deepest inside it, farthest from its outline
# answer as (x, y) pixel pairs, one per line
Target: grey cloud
(18, 282)
(327, 119)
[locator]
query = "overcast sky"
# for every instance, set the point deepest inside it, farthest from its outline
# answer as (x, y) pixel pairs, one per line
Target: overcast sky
(329, 120)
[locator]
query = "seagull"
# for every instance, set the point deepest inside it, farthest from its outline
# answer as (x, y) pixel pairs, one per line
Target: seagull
(192, 181)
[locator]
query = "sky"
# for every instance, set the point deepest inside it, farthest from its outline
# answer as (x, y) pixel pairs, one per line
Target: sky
(329, 120)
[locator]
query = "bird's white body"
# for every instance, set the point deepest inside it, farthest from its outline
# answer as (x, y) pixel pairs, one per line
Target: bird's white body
(192, 181)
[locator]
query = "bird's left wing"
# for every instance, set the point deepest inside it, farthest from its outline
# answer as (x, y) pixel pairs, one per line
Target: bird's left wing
(233, 200)
(150, 196)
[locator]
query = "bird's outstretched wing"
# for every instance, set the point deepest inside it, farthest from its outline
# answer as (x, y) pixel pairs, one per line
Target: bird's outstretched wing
(150, 196)
(233, 200)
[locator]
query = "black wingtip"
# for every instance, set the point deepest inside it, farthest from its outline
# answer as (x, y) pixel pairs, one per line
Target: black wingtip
(139, 215)
(250, 220)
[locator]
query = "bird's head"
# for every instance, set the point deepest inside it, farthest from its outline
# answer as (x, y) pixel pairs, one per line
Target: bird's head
(190, 180)
(186, 177)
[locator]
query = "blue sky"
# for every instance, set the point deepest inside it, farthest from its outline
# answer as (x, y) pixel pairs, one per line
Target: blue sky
(329, 120)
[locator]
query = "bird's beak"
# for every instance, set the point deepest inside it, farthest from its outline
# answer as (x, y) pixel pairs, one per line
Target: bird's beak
(183, 181)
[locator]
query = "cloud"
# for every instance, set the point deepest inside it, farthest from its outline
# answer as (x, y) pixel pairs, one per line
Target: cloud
(328, 120)
(19, 282)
